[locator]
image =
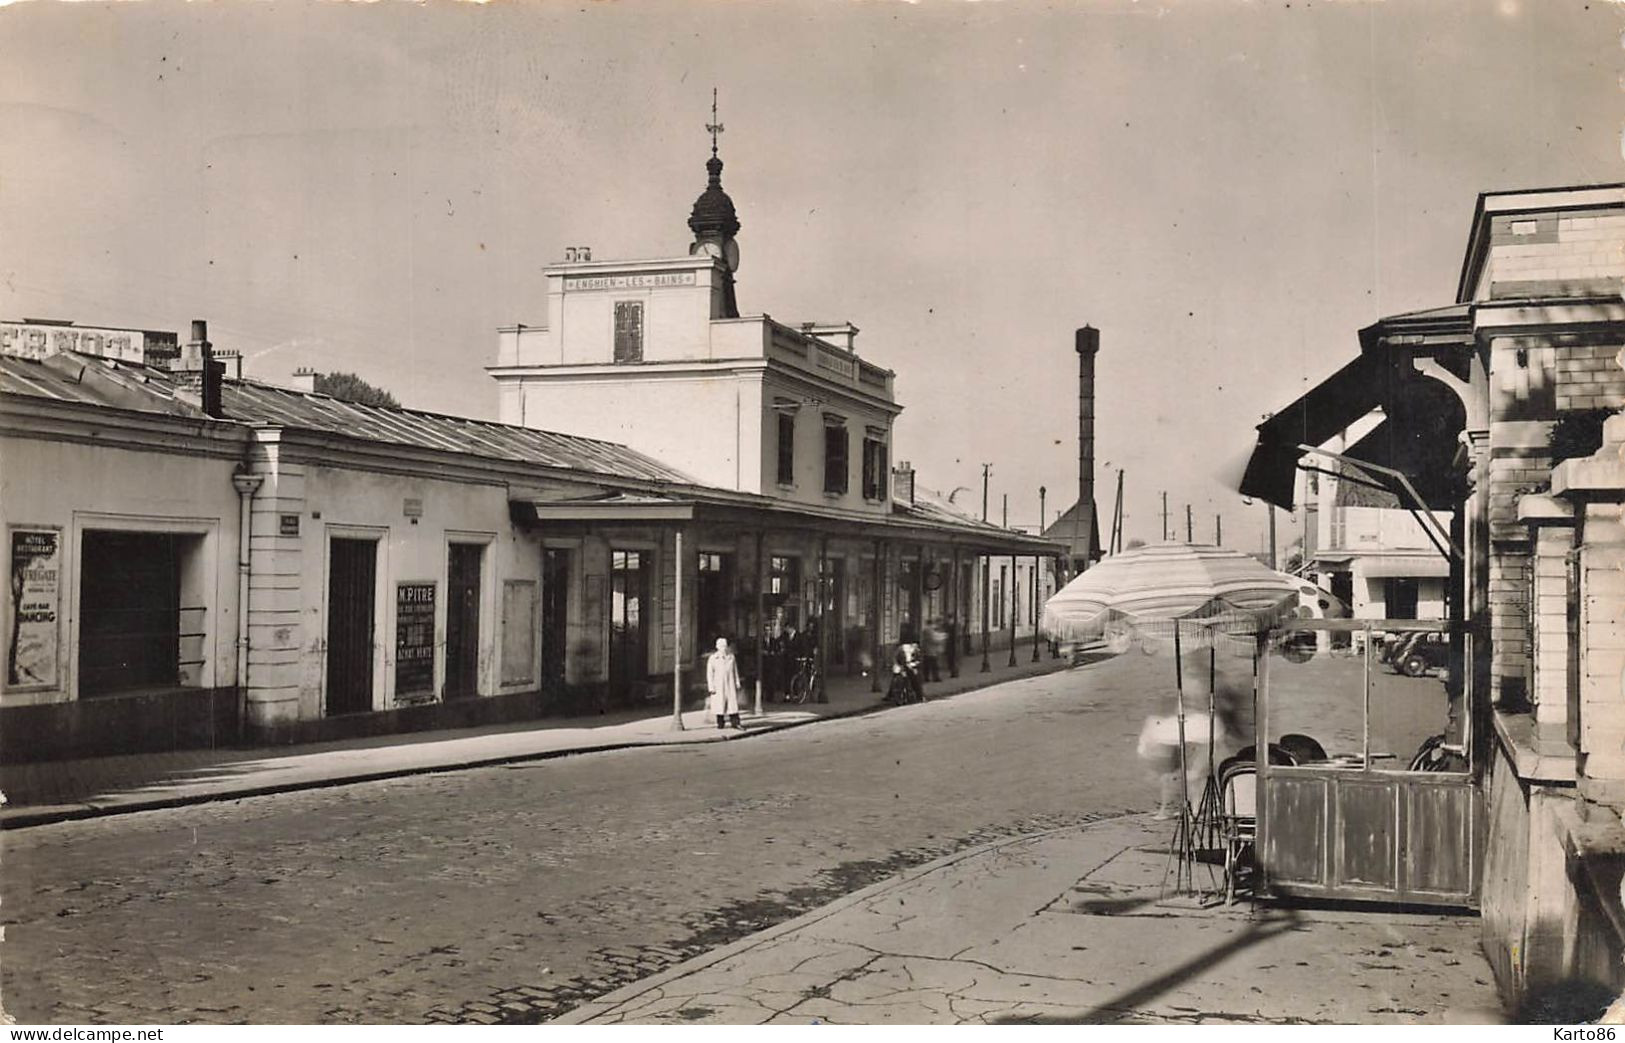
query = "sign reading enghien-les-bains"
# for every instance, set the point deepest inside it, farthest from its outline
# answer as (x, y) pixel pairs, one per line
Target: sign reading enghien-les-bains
(36, 591)
(641, 281)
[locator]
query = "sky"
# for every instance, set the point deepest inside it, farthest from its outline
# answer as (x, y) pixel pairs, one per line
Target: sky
(1227, 190)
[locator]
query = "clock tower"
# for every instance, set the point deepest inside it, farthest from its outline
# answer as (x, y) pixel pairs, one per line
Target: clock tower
(714, 222)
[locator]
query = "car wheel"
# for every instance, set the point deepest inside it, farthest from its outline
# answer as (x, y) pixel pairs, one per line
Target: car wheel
(1414, 666)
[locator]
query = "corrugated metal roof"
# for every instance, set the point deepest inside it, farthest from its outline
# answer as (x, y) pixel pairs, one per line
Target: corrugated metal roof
(71, 377)
(264, 404)
(928, 506)
(91, 380)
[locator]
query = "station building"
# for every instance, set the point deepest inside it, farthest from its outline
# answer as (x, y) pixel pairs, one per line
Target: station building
(199, 559)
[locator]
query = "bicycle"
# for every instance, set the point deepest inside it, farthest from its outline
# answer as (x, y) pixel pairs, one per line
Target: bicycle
(804, 685)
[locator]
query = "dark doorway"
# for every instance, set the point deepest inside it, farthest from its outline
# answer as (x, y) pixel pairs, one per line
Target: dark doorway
(714, 601)
(832, 612)
(1399, 599)
(909, 586)
(463, 563)
(352, 574)
(129, 604)
(555, 617)
(628, 612)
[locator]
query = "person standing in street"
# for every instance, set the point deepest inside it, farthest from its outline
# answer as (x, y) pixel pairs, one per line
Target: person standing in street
(722, 682)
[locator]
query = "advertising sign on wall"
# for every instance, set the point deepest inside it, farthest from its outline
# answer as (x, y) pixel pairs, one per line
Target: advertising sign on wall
(36, 591)
(414, 642)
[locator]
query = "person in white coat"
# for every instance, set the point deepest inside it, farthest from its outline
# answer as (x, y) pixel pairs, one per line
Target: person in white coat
(722, 682)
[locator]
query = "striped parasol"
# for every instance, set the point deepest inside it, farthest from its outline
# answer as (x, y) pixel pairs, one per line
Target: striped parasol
(1145, 593)
(1176, 597)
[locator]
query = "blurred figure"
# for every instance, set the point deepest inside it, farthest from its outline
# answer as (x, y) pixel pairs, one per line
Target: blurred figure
(906, 687)
(935, 640)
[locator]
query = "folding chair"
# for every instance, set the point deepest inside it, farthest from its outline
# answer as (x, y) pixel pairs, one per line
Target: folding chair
(1238, 789)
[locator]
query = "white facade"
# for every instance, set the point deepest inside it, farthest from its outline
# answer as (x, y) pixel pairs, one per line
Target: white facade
(702, 392)
(1379, 559)
(161, 478)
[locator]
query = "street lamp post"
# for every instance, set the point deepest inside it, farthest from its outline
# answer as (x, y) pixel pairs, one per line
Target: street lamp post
(1013, 603)
(987, 595)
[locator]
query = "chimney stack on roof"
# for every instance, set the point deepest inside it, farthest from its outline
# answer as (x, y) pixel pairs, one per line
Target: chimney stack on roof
(903, 481)
(304, 379)
(197, 373)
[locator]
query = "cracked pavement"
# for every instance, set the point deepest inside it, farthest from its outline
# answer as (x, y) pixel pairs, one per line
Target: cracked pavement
(1068, 927)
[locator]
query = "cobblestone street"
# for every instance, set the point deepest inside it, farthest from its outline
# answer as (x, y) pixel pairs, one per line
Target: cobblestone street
(513, 893)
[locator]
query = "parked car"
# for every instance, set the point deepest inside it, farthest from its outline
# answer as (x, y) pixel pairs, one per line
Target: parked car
(1418, 653)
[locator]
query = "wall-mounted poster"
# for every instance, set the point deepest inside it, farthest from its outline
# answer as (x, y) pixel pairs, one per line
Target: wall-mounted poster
(36, 592)
(414, 642)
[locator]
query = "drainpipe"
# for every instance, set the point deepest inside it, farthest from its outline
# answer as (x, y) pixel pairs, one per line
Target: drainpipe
(247, 485)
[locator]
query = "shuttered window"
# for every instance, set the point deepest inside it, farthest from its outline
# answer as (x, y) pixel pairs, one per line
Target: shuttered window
(836, 478)
(628, 331)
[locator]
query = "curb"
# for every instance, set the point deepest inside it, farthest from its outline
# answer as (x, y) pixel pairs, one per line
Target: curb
(606, 1003)
(28, 817)
(25, 817)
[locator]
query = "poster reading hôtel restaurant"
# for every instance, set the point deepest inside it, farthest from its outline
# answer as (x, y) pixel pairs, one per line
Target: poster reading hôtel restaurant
(36, 574)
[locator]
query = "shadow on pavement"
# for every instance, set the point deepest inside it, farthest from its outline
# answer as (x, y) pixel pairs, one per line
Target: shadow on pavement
(1126, 1007)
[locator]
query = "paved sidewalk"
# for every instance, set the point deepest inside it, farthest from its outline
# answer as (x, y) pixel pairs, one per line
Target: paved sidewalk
(55, 791)
(1068, 927)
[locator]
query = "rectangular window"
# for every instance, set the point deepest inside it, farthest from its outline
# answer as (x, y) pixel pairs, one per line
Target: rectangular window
(875, 469)
(784, 575)
(787, 448)
(628, 331)
(835, 462)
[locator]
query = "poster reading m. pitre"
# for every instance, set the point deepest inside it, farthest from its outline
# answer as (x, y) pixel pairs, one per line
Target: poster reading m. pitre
(36, 571)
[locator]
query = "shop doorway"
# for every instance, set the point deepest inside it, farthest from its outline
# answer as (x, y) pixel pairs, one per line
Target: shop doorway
(555, 616)
(463, 567)
(1399, 598)
(351, 592)
(832, 613)
(628, 617)
(714, 601)
(130, 611)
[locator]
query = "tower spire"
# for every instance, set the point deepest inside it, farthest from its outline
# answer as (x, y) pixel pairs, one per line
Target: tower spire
(715, 126)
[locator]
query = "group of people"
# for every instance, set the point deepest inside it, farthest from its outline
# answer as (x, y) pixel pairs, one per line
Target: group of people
(917, 661)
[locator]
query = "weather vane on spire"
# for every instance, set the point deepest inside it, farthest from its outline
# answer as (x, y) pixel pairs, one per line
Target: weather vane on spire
(714, 127)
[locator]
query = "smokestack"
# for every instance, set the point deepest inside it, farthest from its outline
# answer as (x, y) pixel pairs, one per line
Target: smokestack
(1088, 343)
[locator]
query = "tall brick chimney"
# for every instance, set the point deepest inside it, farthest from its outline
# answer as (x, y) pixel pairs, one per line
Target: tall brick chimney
(1083, 537)
(197, 373)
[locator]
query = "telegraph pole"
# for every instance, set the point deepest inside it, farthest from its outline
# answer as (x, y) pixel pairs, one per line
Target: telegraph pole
(1218, 530)
(1117, 517)
(1165, 516)
(987, 469)
(1005, 522)
(1190, 534)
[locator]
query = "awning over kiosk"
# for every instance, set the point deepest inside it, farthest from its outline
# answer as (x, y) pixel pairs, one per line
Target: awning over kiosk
(1326, 410)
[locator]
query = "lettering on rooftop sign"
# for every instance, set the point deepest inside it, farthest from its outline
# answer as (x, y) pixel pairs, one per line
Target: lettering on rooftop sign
(643, 281)
(41, 340)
